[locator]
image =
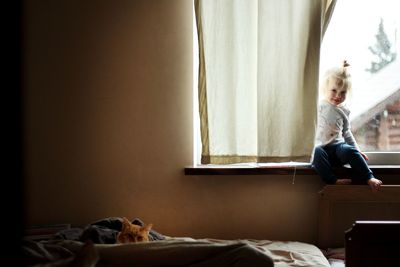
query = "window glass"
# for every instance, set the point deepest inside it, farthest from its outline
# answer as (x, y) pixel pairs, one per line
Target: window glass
(366, 34)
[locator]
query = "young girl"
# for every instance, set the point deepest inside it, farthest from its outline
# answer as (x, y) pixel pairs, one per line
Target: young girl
(335, 144)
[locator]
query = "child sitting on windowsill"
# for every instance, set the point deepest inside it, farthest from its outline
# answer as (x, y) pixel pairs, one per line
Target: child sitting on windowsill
(335, 144)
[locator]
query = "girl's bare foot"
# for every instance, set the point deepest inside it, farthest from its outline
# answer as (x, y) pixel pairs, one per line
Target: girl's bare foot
(343, 181)
(374, 184)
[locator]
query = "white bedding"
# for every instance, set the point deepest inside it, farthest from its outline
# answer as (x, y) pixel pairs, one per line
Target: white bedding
(184, 251)
(284, 253)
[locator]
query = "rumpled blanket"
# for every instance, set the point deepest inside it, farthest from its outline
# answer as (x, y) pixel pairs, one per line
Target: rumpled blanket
(94, 245)
(103, 231)
(163, 253)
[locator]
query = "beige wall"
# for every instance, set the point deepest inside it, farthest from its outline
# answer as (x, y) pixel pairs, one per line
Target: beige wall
(108, 128)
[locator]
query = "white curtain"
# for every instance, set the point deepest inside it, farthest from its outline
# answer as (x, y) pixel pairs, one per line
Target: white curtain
(258, 78)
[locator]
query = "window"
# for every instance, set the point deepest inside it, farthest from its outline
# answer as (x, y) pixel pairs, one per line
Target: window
(366, 34)
(354, 27)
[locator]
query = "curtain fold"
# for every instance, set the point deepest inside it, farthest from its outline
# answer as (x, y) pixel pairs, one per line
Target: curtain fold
(258, 78)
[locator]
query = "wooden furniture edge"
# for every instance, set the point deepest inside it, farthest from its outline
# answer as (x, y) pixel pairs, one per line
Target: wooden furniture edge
(332, 194)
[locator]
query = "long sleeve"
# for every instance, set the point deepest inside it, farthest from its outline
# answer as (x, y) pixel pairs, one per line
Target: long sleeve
(333, 125)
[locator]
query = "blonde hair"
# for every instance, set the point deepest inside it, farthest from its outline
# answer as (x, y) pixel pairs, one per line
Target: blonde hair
(339, 73)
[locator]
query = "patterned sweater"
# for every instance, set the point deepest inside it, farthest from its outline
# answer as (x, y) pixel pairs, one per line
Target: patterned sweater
(333, 125)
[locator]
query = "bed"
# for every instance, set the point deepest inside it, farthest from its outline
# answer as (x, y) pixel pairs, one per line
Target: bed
(360, 226)
(367, 244)
(176, 251)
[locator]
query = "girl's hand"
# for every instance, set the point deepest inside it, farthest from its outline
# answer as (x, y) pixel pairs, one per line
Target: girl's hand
(364, 156)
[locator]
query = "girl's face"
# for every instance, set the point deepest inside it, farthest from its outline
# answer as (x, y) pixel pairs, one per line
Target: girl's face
(335, 93)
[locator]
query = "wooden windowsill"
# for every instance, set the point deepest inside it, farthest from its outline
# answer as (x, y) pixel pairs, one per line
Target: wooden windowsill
(300, 169)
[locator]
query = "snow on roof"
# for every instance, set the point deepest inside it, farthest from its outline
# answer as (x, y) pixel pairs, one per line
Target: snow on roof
(376, 89)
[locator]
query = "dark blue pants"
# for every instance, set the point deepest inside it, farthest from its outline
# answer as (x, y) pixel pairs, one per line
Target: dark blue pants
(325, 158)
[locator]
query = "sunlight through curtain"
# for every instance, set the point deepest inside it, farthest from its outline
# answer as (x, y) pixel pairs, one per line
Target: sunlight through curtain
(258, 78)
